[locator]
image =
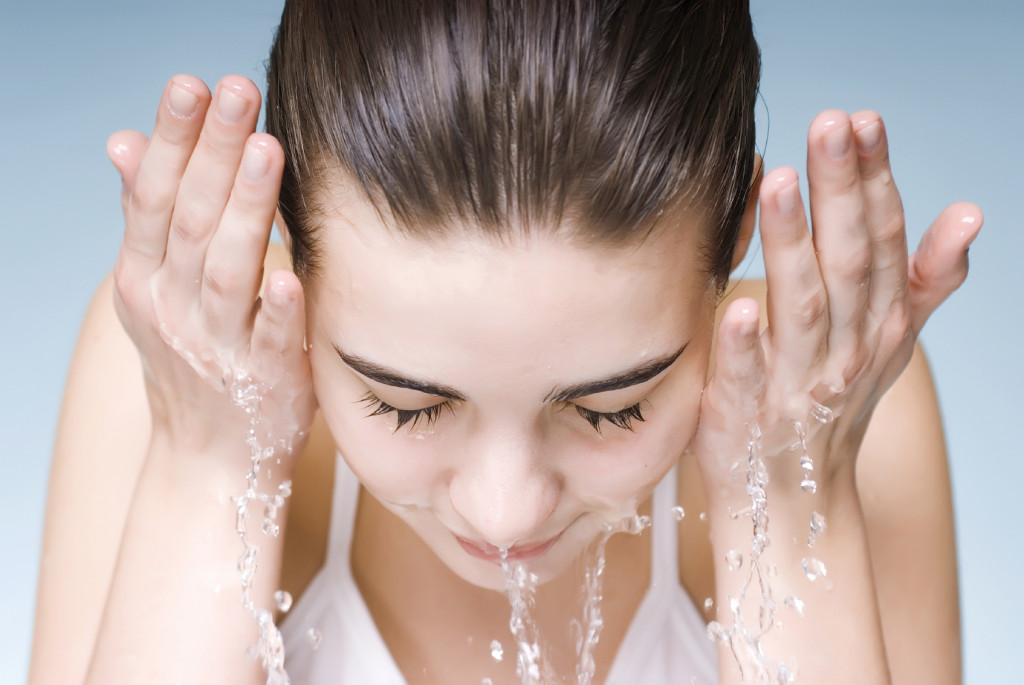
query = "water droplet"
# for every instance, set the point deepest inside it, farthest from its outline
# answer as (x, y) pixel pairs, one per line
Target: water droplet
(486, 681)
(717, 632)
(822, 414)
(741, 512)
(497, 651)
(806, 463)
(270, 528)
(795, 603)
(703, 516)
(818, 526)
(813, 568)
(708, 603)
(285, 488)
(635, 525)
(734, 559)
(678, 513)
(808, 486)
(818, 523)
(283, 600)
(313, 638)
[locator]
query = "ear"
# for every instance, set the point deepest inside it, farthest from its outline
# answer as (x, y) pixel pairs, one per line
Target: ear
(282, 230)
(749, 214)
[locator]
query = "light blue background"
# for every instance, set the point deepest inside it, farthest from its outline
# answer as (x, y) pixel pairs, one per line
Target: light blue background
(947, 77)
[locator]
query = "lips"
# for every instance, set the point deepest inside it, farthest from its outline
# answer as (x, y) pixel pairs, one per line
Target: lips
(518, 553)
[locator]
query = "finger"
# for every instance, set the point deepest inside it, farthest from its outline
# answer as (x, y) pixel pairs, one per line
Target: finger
(233, 266)
(883, 212)
(939, 265)
(840, 231)
(159, 172)
(797, 300)
(739, 381)
(279, 329)
(207, 181)
(125, 149)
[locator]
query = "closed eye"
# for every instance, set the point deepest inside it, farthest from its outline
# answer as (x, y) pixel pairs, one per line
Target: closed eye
(622, 419)
(405, 416)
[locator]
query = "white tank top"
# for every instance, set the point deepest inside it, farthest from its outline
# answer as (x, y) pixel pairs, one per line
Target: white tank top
(666, 643)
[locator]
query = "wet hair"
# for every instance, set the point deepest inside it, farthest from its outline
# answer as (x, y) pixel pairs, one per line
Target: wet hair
(509, 115)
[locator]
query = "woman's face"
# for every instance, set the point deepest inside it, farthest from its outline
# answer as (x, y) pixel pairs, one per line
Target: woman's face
(497, 360)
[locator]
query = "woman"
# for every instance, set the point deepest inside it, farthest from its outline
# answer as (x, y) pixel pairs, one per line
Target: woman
(510, 230)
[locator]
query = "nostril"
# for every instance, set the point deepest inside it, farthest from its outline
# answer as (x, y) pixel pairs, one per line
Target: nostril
(505, 517)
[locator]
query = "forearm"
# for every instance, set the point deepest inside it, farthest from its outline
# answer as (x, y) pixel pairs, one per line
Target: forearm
(174, 611)
(838, 638)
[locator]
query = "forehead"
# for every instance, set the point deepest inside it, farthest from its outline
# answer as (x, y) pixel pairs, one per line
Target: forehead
(517, 307)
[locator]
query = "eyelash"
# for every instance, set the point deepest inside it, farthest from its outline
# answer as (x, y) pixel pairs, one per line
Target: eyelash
(621, 419)
(430, 414)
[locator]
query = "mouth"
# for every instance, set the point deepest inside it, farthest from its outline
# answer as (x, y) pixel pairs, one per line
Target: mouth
(519, 553)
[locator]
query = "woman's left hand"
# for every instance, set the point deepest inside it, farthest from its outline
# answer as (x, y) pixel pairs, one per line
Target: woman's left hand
(845, 306)
(784, 415)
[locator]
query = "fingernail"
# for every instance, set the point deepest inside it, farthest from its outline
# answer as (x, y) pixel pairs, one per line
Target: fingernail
(254, 164)
(837, 142)
(181, 102)
(278, 291)
(231, 107)
(869, 137)
(788, 199)
(118, 149)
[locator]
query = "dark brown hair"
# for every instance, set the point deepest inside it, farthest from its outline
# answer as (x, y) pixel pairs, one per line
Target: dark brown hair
(509, 114)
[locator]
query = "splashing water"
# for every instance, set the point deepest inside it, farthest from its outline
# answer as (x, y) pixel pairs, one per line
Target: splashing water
(283, 600)
(818, 526)
(813, 568)
(794, 603)
(313, 638)
(247, 393)
(520, 586)
(497, 651)
(733, 559)
(745, 641)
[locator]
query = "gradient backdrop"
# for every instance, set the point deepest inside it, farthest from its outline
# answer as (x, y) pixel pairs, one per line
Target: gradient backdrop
(945, 75)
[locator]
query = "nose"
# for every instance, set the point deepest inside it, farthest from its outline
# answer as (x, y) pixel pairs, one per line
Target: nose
(503, 489)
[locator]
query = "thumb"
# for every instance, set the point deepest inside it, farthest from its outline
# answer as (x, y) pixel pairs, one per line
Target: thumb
(733, 396)
(939, 266)
(125, 149)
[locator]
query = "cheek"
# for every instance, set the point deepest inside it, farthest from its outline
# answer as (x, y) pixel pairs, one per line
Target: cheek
(397, 467)
(623, 468)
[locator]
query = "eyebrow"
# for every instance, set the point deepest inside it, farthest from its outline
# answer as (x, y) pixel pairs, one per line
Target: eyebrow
(387, 376)
(634, 376)
(638, 374)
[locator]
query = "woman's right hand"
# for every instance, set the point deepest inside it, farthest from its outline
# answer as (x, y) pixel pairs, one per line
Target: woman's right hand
(199, 198)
